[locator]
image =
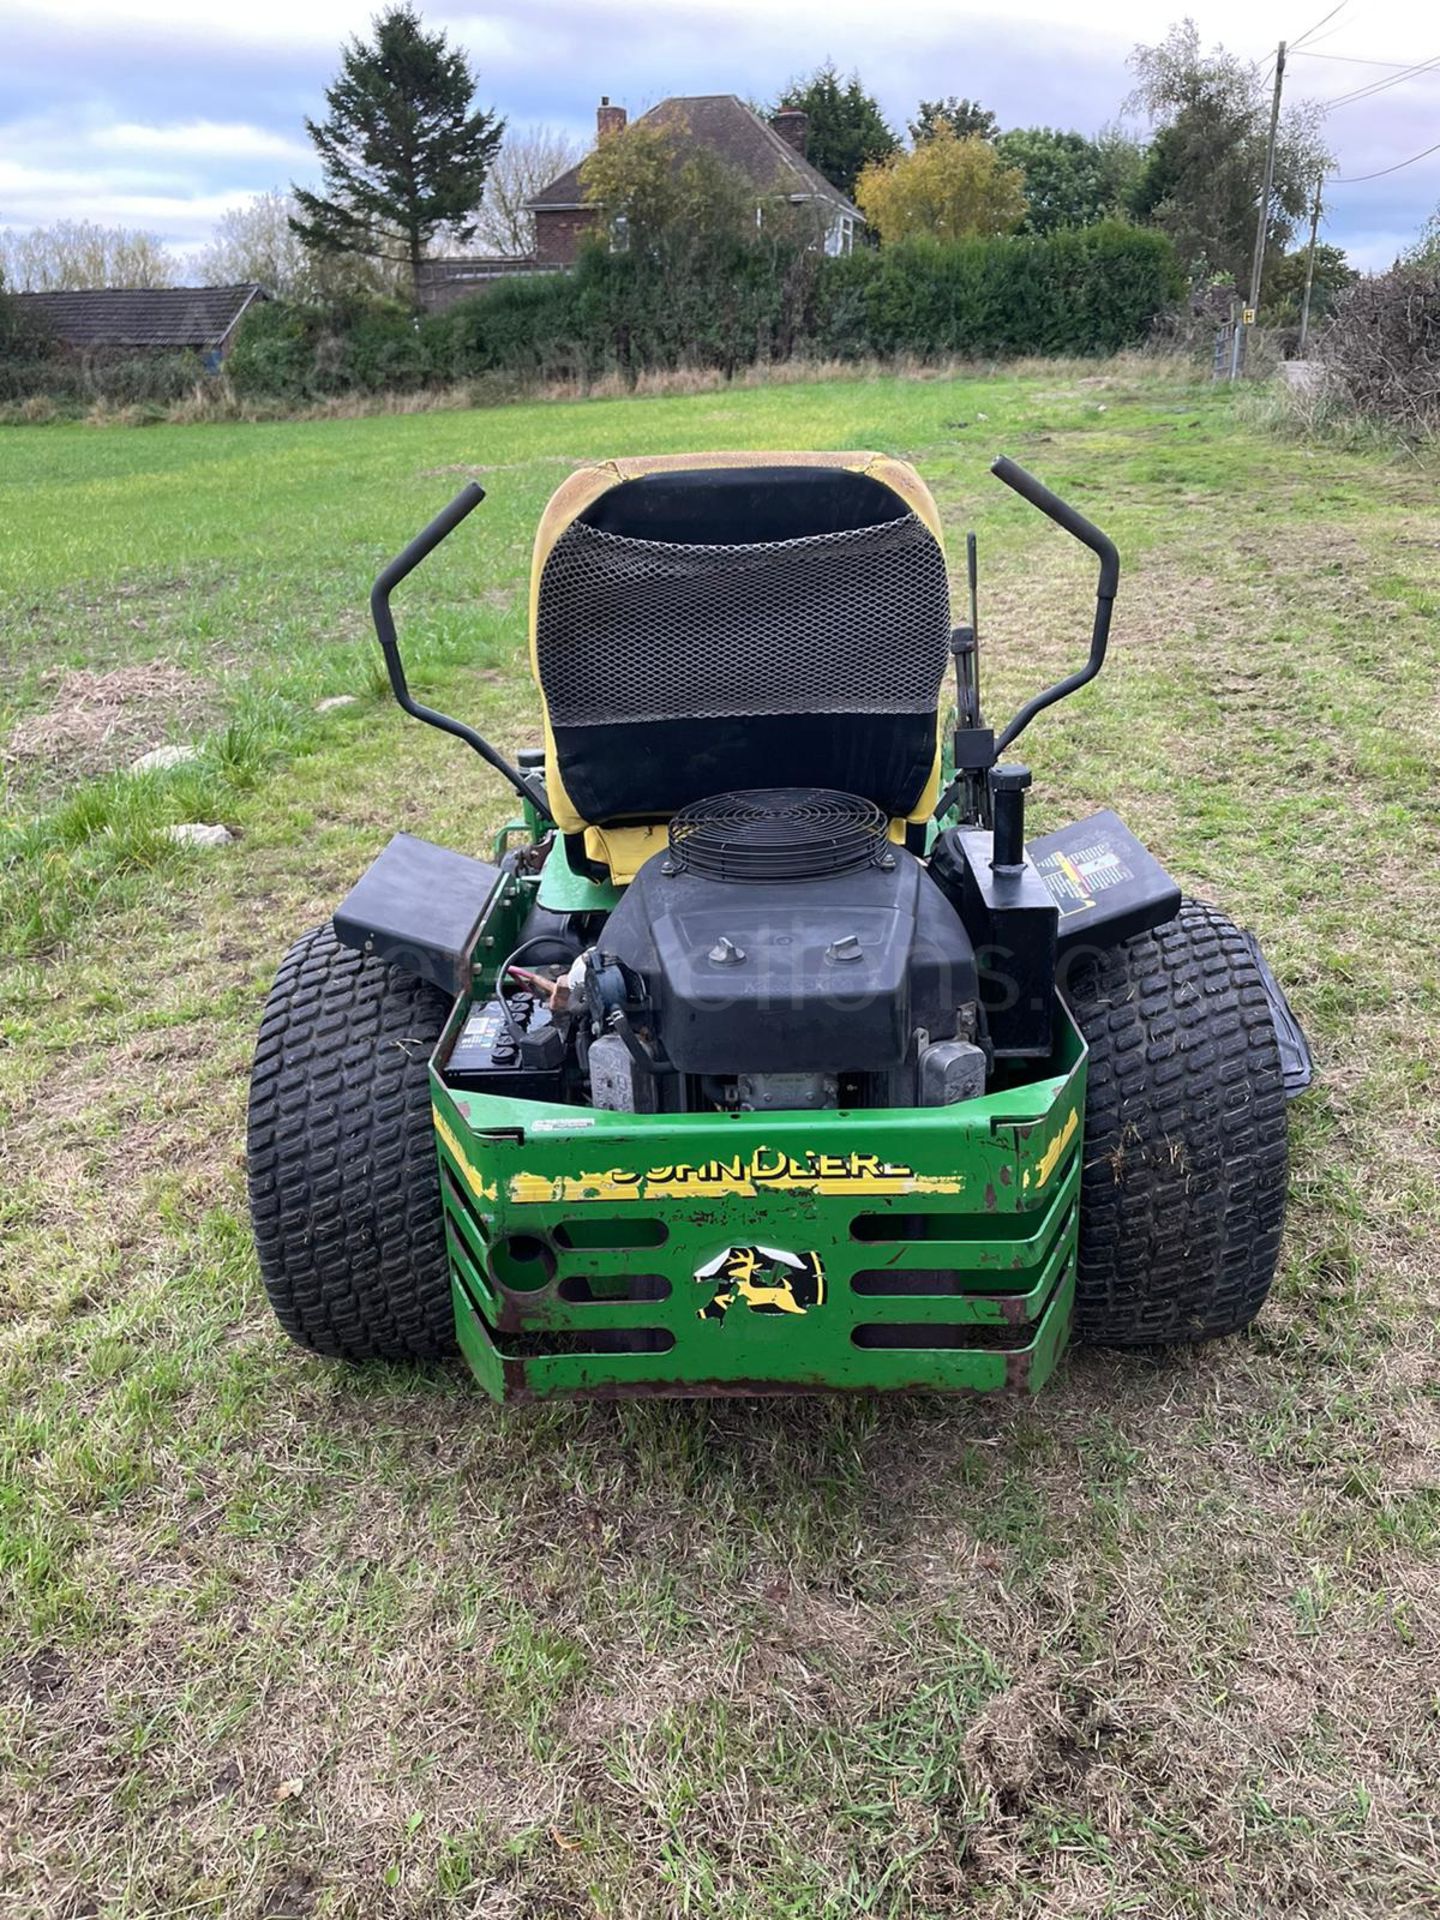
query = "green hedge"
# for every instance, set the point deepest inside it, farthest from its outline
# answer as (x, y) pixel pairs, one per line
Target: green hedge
(77, 380)
(1083, 290)
(287, 352)
(1079, 290)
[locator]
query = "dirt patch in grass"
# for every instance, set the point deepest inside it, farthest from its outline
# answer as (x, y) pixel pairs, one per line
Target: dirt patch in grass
(100, 721)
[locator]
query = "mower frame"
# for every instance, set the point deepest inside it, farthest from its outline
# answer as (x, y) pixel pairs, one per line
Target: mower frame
(943, 1238)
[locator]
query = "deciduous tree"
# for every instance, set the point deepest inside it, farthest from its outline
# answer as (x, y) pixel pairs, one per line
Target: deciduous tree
(80, 253)
(1284, 287)
(1426, 250)
(528, 159)
(403, 150)
(1203, 173)
(1069, 181)
(259, 241)
(657, 194)
(945, 188)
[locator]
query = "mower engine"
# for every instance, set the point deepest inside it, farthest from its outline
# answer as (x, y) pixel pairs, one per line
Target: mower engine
(783, 954)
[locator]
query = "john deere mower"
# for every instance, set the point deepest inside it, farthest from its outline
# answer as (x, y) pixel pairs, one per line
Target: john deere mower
(765, 1054)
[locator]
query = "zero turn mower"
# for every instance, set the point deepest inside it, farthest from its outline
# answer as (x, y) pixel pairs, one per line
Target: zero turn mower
(766, 1055)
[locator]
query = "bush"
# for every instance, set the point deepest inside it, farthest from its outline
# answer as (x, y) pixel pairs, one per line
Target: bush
(77, 380)
(299, 353)
(1079, 290)
(527, 326)
(35, 368)
(1083, 290)
(1381, 351)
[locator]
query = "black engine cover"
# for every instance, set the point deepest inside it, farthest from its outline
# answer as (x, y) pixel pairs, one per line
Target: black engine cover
(830, 975)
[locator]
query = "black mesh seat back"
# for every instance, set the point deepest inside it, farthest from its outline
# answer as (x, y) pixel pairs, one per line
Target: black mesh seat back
(699, 632)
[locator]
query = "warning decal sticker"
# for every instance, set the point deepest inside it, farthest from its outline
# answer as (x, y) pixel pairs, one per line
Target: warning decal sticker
(1077, 878)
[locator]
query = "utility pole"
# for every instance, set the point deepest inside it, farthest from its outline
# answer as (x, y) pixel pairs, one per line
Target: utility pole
(1310, 269)
(1262, 223)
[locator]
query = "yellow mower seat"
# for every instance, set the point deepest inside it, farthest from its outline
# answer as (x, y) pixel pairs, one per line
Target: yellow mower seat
(703, 623)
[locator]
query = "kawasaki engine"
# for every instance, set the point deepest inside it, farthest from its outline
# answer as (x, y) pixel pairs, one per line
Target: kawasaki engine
(784, 953)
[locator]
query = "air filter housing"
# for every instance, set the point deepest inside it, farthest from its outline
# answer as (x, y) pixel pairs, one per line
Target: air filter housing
(779, 834)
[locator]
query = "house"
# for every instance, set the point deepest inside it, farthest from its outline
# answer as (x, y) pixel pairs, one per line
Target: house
(770, 153)
(114, 320)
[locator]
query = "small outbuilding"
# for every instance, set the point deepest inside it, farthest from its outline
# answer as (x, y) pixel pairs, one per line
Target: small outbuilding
(110, 320)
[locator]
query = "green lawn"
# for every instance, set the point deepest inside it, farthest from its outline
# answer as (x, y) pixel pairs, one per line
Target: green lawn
(282, 1640)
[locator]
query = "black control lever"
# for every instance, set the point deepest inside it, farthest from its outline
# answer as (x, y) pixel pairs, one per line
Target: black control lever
(1103, 547)
(405, 563)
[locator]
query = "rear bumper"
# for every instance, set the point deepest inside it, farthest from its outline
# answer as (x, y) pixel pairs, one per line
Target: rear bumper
(608, 1255)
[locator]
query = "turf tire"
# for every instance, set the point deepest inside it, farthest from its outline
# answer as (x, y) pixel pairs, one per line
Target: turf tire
(344, 1192)
(1183, 1189)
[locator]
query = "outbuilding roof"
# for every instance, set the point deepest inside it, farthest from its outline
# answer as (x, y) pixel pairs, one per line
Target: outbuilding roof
(198, 317)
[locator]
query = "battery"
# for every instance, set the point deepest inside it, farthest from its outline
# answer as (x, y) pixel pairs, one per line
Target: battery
(486, 1057)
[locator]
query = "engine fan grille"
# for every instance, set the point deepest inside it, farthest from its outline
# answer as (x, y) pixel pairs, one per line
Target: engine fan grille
(778, 833)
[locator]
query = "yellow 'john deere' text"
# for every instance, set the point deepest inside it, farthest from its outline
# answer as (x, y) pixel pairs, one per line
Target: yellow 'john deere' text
(747, 1176)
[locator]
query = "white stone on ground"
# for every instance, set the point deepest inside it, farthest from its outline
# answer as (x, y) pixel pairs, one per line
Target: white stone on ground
(159, 758)
(329, 704)
(195, 833)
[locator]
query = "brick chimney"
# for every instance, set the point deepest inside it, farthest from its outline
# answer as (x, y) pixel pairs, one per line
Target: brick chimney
(610, 119)
(793, 127)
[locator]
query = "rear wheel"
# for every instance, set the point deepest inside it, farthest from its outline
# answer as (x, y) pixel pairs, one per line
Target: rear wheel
(1183, 1190)
(344, 1191)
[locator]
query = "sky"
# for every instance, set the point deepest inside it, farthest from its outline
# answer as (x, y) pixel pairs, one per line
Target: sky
(163, 114)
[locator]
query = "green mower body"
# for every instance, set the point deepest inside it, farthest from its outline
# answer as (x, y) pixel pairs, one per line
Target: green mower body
(614, 1254)
(817, 1075)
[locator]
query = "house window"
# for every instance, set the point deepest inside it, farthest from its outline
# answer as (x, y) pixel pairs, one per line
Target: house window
(840, 235)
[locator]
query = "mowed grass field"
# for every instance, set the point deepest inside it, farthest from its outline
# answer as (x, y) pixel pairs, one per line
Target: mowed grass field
(280, 1639)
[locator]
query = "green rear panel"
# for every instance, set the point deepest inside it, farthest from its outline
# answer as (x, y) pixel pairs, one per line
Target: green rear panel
(598, 1253)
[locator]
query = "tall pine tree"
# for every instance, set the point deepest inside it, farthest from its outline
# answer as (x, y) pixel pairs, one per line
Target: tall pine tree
(847, 129)
(402, 151)
(963, 117)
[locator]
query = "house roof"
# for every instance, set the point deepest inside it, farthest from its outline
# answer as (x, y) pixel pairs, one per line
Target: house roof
(197, 317)
(723, 123)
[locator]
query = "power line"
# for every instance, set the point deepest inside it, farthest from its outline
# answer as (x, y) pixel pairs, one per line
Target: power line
(1310, 32)
(1396, 73)
(1351, 59)
(1358, 179)
(1380, 86)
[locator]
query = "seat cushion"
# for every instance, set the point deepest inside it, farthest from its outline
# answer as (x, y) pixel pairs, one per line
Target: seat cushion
(702, 630)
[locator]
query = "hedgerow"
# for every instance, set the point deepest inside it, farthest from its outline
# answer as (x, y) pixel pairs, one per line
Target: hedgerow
(1090, 290)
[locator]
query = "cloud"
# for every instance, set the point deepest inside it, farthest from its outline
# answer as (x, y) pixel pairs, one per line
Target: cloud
(174, 179)
(175, 205)
(200, 139)
(113, 107)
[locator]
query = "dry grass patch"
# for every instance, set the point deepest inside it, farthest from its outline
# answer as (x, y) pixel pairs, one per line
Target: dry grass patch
(99, 721)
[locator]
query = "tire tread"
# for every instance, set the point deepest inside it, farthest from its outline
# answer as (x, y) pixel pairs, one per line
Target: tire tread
(1183, 1189)
(341, 1163)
